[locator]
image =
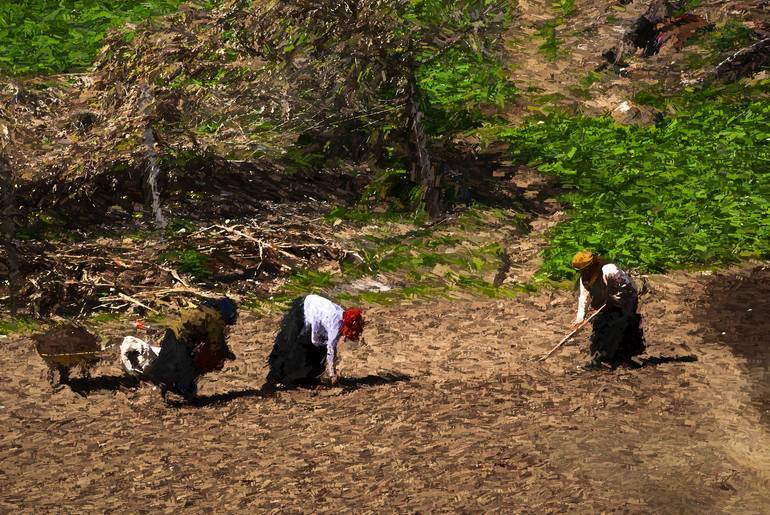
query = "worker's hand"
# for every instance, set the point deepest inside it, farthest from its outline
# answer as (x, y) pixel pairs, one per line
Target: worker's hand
(334, 380)
(576, 323)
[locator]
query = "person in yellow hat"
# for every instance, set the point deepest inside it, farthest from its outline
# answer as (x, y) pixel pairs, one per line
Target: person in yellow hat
(617, 336)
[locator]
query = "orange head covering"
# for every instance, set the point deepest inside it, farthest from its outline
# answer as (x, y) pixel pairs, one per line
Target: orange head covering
(588, 262)
(584, 259)
(352, 323)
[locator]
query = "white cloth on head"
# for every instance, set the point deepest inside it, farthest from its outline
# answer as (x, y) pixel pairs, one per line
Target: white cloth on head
(614, 288)
(324, 318)
(136, 354)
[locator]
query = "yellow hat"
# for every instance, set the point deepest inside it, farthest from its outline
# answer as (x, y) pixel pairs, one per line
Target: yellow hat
(584, 259)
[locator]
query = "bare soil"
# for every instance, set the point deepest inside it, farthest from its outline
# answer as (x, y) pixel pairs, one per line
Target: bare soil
(441, 409)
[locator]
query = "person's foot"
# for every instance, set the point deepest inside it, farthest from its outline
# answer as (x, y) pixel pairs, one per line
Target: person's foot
(269, 388)
(592, 365)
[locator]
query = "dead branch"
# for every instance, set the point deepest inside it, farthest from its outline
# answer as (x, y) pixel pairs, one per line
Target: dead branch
(744, 61)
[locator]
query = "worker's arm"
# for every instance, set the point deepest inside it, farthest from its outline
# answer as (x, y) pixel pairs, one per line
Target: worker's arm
(582, 302)
(331, 356)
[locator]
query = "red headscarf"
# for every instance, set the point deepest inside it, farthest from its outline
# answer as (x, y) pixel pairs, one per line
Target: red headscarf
(352, 323)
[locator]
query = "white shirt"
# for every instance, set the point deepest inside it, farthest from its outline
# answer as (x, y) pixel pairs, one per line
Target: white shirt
(615, 288)
(324, 318)
(136, 355)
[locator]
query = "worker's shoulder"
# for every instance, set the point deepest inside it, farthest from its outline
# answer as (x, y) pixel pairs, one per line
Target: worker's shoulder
(611, 269)
(200, 314)
(321, 308)
(316, 301)
(618, 274)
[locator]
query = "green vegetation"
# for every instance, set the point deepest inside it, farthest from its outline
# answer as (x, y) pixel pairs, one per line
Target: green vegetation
(565, 8)
(695, 189)
(550, 47)
(716, 43)
(42, 226)
(457, 79)
(17, 325)
(731, 35)
(582, 89)
(55, 36)
(307, 281)
(189, 261)
(456, 85)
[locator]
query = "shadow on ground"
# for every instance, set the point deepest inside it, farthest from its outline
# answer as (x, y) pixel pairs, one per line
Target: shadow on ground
(354, 383)
(662, 360)
(347, 384)
(85, 385)
(738, 315)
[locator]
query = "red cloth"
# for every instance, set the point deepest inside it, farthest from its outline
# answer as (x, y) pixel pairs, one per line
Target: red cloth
(352, 323)
(207, 359)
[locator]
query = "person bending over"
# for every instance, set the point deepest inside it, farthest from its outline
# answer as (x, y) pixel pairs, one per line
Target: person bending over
(617, 335)
(192, 345)
(306, 343)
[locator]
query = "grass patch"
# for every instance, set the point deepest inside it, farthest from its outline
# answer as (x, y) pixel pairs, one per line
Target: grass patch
(17, 326)
(307, 281)
(189, 261)
(44, 36)
(693, 190)
(550, 47)
(361, 215)
(565, 8)
(583, 88)
(731, 35)
(43, 226)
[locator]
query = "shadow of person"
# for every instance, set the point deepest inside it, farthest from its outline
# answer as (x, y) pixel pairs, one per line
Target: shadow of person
(347, 384)
(354, 383)
(221, 398)
(85, 385)
(661, 360)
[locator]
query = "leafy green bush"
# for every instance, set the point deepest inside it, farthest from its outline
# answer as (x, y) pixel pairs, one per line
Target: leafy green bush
(731, 35)
(457, 85)
(54, 36)
(692, 190)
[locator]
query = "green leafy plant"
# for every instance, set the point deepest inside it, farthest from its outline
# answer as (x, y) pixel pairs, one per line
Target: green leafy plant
(190, 261)
(694, 189)
(17, 325)
(46, 36)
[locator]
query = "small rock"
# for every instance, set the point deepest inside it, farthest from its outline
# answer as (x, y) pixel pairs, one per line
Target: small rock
(628, 113)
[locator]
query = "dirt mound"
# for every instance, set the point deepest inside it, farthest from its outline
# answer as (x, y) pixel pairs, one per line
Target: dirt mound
(558, 59)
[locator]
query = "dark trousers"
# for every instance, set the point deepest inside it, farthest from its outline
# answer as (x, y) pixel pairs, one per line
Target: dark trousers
(617, 336)
(294, 360)
(173, 369)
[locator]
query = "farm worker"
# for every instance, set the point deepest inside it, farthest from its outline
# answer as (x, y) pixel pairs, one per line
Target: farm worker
(204, 331)
(617, 335)
(306, 343)
(193, 345)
